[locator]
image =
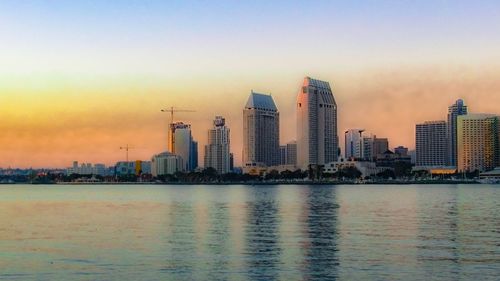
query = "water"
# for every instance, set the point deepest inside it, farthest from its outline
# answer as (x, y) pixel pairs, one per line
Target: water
(250, 233)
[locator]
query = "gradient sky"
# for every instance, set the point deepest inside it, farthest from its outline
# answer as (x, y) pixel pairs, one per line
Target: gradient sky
(79, 79)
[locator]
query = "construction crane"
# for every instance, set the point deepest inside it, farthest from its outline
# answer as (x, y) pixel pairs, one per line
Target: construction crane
(172, 110)
(171, 131)
(126, 148)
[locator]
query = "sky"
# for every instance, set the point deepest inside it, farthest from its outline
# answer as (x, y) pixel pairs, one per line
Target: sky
(79, 79)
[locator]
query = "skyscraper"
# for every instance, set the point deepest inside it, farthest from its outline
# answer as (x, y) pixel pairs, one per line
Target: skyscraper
(431, 143)
(354, 144)
(317, 138)
(217, 151)
(184, 145)
(261, 131)
(455, 110)
(478, 142)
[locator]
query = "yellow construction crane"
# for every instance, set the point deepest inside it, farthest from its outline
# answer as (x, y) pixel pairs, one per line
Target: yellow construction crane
(171, 131)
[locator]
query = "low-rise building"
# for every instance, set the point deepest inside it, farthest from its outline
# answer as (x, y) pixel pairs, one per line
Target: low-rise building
(436, 170)
(86, 169)
(166, 163)
(366, 168)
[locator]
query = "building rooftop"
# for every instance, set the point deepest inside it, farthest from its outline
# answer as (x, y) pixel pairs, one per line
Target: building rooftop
(261, 101)
(308, 81)
(474, 116)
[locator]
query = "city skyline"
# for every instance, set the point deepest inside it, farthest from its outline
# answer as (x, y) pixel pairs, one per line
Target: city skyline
(78, 80)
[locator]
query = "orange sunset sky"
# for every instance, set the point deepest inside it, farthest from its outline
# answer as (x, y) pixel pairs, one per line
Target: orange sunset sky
(79, 79)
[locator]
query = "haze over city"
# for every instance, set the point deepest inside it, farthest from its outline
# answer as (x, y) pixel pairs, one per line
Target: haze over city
(80, 79)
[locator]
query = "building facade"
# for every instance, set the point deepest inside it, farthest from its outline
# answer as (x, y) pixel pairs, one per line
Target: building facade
(478, 142)
(183, 145)
(288, 154)
(166, 163)
(217, 151)
(87, 169)
(431, 143)
(354, 144)
(401, 150)
(133, 168)
(455, 110)
(261, 131)
(380, 146)
(317, 137)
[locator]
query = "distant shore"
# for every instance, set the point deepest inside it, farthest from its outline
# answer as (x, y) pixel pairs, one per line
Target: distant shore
(389, 182)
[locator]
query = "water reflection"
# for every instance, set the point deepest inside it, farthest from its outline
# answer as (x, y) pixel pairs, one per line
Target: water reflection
(218, 245)
(180, 242)
(250, 233)
(263, 250)
(320, 212)
(438, 232)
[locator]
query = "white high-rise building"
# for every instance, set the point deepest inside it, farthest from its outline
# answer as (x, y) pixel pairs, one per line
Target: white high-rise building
(217, 151)
(317, 138)
(354, 144)
(261, 131)
(478, 142)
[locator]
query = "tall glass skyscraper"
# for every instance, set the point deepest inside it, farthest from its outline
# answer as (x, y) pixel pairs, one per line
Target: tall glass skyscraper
(317, 137)
(455, 110)
(261, 131)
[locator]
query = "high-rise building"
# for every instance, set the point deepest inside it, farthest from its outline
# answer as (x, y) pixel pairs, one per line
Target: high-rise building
(367, 149)
(184, 146)
(218, 148)
(317, 138)
(372, 147)
(354, 144)
(455, 110)
(478, 142)
(261, 131)
(431, 143)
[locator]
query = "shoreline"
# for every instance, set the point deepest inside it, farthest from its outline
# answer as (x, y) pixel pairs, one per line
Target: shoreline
(425, 182)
